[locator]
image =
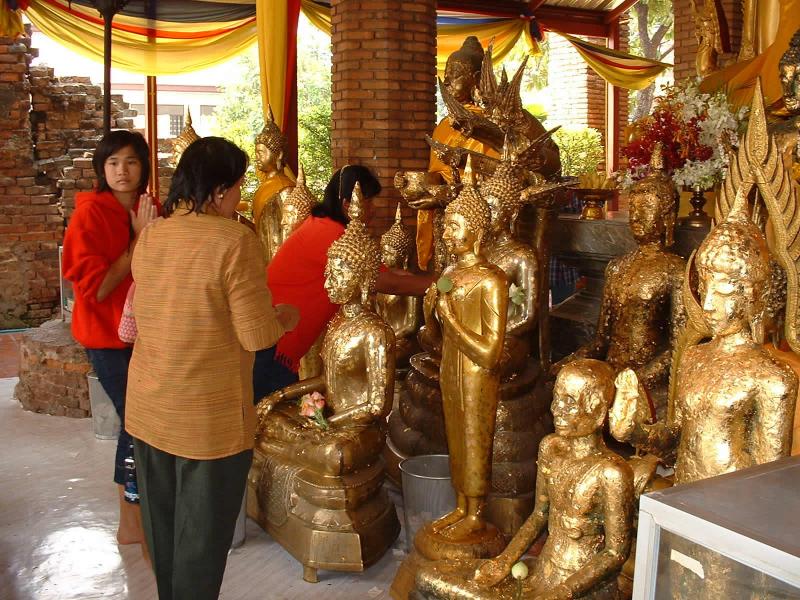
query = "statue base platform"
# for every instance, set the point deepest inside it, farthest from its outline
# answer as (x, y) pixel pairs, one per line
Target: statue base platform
(486, 543)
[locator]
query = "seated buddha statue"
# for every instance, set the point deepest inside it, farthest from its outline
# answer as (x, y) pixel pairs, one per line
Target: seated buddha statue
(584, 501)
(503, 193)
(642, 310)
(275, 186)
(323, 480)
(785, 118)
(402, 313)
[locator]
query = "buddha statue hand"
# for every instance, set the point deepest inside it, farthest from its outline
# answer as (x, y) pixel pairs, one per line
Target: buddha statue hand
(265, 406)
(630, 408)
(492, 572)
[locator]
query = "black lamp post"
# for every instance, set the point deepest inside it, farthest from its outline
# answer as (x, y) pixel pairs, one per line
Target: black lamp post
(107, 9)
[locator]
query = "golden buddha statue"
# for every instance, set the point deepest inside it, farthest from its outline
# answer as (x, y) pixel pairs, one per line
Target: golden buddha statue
(642, 309)
(760, 21)
(296, 207)
(785, 119)
(184, 139)
(402, 313)
(470, 305)
(318, 487)
(503, 194)
(584, 500)
(708, 34)
(276, 186)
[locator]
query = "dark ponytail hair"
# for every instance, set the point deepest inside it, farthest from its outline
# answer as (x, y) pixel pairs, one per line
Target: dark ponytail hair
(209, 165)
(339, 189)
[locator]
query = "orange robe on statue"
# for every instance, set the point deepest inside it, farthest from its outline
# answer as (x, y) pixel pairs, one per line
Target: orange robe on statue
(266, 190)
(739, 80)
(444, 134)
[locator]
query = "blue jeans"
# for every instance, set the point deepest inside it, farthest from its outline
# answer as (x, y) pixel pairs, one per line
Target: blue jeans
(111, 367)
(269, 375)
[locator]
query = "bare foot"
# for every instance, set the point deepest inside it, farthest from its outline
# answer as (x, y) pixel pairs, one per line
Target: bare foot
(448, 519)
(464, 528)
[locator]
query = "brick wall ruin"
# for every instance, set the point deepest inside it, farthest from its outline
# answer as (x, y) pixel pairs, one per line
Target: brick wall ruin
(47, 126)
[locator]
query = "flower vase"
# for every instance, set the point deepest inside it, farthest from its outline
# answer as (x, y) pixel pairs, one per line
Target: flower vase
(697, 218)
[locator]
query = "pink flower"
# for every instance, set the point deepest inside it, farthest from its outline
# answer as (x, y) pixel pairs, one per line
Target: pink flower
(311, 403)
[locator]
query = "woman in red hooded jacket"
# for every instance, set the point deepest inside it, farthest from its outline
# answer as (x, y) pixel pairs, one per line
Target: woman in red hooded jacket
(98, 247)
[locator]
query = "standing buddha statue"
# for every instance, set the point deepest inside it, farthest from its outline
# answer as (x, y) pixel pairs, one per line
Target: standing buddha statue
(642, 310)
(584, 501)
(470, 304)
(269, 197)
(402, 313)
(323, 481)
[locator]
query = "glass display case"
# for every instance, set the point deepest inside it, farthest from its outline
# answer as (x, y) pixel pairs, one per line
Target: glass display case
(732, 536)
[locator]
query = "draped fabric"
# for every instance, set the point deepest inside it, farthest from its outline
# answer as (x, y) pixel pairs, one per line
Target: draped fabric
(174, 37)
(618, 68)
(10, 20)
(739, 80)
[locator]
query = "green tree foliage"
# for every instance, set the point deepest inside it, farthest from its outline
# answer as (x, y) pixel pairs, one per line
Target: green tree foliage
(581, 150)
(652, 34)
(240, 116)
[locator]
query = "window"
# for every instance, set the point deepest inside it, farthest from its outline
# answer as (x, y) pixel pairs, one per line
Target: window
(175, 125)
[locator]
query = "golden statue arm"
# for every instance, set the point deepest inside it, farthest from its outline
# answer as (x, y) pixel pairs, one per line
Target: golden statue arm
(410, 319)
(429, 311)
(290, 392)
(380, 382)
(482, 349)
(617, 524)
(526, 318)
(771, 428)
(495, 570)
(628, 418)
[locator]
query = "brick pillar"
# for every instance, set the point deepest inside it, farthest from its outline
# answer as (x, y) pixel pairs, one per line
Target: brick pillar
(384, 95)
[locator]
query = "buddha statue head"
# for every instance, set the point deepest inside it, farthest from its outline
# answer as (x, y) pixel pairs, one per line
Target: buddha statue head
(503, 193)
(396, 243)
(463, 68)
(467, 218)
(582, 394)
(733, 267)
(184, 139)
(270, 146)
(652, 205)
(789, 73)
(297, 205)
(353, 259)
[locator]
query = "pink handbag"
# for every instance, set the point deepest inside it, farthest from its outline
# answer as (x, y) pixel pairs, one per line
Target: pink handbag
(127, 324)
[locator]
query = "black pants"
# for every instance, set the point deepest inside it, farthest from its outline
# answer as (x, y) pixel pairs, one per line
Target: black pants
(189, 511)
(111, 367)
(269, 375)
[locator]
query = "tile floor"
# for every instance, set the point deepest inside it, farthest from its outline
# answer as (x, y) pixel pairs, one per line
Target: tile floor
(58, 509)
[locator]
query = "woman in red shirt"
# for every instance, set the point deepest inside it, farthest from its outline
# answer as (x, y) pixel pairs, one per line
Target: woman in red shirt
(296, 276)
(98, 247)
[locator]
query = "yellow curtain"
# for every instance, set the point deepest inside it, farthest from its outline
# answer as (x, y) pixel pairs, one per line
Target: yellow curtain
(132, 51)
(320, 16)
(10, 21)
(618, 68)
(271, 16)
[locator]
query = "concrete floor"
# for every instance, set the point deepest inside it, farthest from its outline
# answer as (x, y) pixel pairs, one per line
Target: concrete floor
(58, 513)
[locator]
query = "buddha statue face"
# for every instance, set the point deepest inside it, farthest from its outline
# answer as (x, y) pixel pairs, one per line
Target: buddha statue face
(646, 222)
(342, 281)
(466, 219)
(462, 71)
(290, 219)
(396, 243)
(458, 236)
(733, 270)
(268, 159)
(390, 256)
(581, 396)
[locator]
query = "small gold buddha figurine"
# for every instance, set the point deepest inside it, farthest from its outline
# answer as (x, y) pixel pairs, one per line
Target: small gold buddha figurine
(276, 186)
(709, 38)
(295, 208)
(470, 304)
(184, 139)
(319, 486)
(784, 122)
(642, 307)
(402, 313)
(584, 500)
(503, 194)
